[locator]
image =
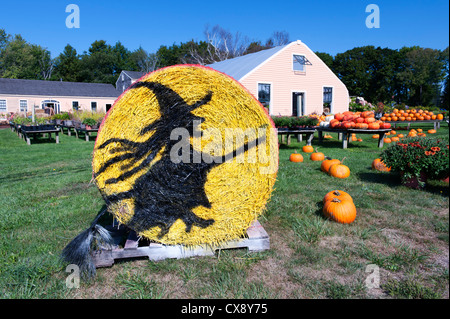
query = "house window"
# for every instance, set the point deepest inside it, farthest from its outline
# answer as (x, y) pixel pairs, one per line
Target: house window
(299, 62)
(2, 105)
(75, 105)
(94, 106)
(327, 99)
(23, 105)
(108, 106)
(264, 94)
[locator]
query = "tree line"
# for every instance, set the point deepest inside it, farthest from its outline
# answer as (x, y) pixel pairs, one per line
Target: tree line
(410, 75)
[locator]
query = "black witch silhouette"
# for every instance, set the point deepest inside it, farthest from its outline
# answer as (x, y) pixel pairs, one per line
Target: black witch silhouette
(169, 190)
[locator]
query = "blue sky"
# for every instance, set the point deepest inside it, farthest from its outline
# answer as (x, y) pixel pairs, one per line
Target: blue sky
(324, 25)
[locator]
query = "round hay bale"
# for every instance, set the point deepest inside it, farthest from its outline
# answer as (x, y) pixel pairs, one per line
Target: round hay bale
(186, 156)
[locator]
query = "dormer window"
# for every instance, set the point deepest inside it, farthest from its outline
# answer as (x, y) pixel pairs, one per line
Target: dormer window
(299, 63)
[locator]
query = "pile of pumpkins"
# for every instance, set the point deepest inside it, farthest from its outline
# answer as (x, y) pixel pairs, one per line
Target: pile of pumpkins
(411, 115)
(392, 136)
(337, 205)
(356, 120)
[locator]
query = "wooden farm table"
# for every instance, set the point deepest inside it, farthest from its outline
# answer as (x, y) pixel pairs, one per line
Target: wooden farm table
(347, 133)
(309, 132)
(26, 133)
(436, 123)
(87, 132)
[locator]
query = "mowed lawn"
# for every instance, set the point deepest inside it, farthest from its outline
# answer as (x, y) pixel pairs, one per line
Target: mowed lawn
(47, 198)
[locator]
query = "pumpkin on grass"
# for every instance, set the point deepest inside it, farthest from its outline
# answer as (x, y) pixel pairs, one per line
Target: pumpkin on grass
(326, 164)
(378, 165)
(317, 156)
(296, 157)
(307, 149)
(342, 211)
(432, 131)
(339, 171)
(337, 194)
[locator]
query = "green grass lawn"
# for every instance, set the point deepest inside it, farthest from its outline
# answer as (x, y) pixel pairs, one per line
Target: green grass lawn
(47, 198)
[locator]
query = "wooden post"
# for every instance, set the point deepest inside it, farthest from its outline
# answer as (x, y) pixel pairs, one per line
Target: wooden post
(309, 138)
(344, 140)
(381, 140)
(320, 136)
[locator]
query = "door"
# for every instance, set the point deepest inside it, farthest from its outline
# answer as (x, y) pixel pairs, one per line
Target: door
(298, 105)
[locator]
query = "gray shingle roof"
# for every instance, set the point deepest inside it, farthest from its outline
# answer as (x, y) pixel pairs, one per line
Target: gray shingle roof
(240, 66)
(56, 88)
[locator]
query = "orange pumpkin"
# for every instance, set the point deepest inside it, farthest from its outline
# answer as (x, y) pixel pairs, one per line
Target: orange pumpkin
(317, 156)
(296, 157)
(378, 165)
(339, 171)
(394, 139)
(376, 136)
(307, 149)
(387, 140)
(341, 211)
(326, 164)
(337, 194)
(440, 116)
(432, 131)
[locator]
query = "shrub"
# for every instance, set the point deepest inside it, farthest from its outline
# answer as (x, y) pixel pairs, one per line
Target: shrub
(293, 121)
(417, 155)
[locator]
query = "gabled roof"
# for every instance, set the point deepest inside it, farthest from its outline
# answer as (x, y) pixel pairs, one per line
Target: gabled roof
(134, 75)
(238, 67)
(56, 88)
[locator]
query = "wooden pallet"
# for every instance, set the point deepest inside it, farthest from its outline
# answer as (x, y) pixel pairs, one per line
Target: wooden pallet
(256, 240)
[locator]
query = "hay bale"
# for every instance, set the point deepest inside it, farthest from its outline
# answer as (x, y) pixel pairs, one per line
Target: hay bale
(200, 201)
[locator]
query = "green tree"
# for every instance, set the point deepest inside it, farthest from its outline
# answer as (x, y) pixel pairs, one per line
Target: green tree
(353, 68)
(68, 65)
(423, 74)
(326, 58)
(99, 63)
(17, 59)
